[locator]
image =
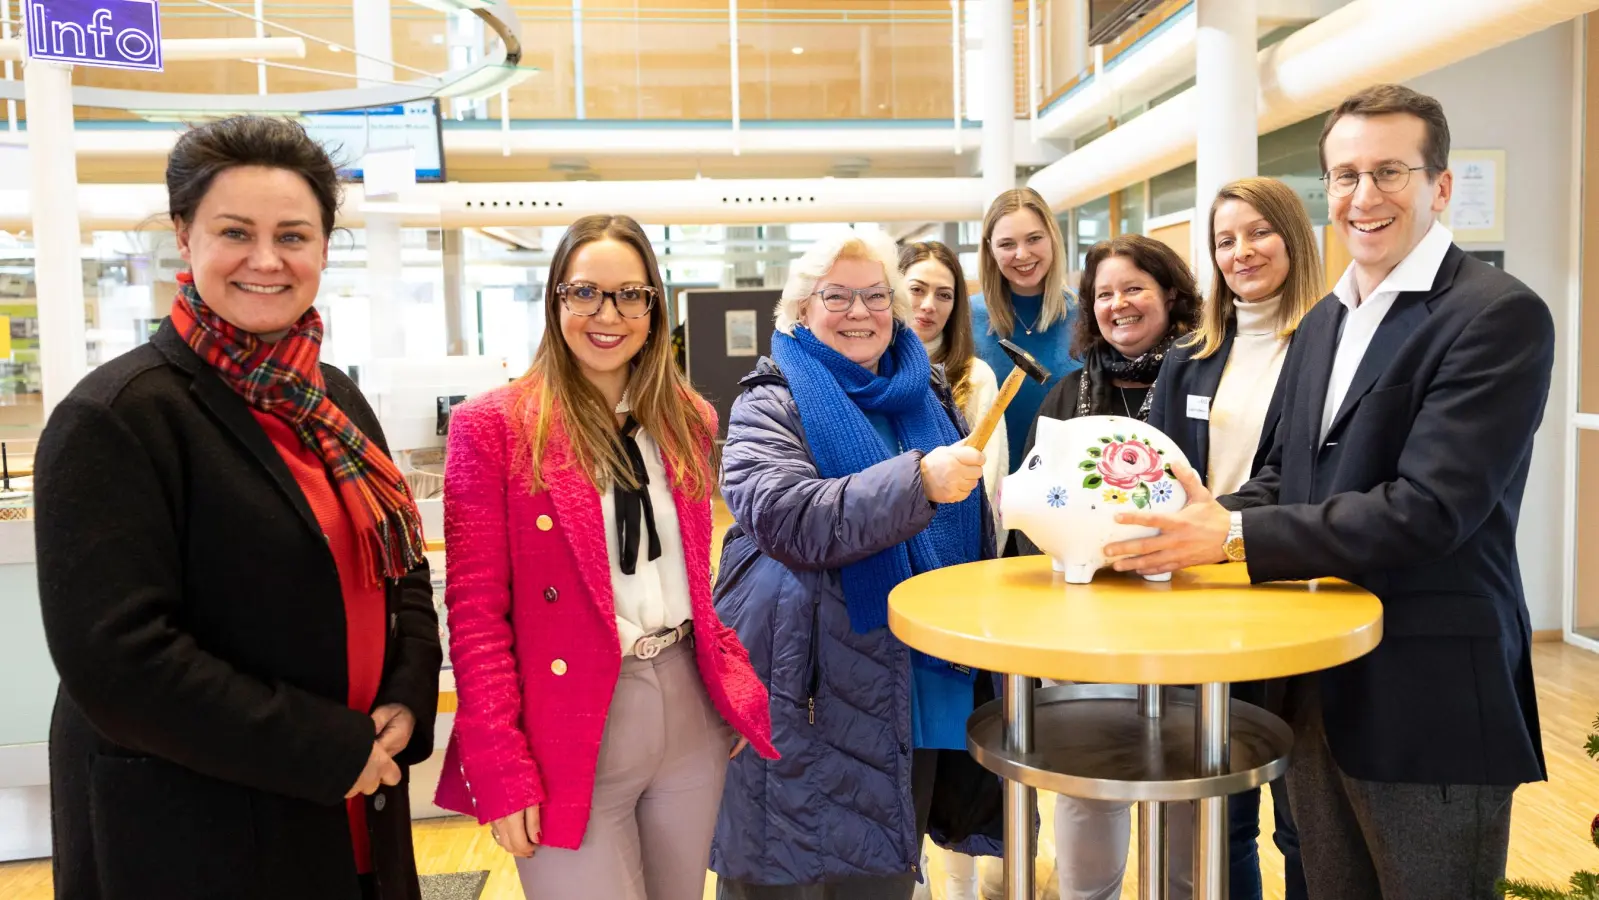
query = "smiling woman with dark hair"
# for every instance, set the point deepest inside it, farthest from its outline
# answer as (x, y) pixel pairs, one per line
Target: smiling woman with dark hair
(1137, 298)
(231, 573)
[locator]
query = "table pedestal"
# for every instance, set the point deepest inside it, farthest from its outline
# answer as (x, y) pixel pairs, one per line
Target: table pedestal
(1146, 744)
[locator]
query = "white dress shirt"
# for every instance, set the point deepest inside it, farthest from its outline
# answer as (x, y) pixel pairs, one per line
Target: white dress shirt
(1415, 272)
(656, 595)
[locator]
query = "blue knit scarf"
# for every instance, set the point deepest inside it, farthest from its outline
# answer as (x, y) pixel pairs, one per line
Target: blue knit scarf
(833, 395)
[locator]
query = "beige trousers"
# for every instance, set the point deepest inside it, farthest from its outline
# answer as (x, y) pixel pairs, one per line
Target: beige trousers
(657, 788)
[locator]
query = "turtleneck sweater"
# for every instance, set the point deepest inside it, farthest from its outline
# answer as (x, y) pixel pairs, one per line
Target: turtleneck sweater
(1238, 411)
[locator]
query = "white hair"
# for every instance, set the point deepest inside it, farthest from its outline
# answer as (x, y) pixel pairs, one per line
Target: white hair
(868, 244)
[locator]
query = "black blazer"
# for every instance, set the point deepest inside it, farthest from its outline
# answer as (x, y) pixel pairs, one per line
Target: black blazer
(1415, 496)
(201, 744)
(1183, 376)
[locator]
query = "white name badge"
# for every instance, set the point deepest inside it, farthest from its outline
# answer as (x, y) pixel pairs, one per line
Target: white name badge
(1198, 407)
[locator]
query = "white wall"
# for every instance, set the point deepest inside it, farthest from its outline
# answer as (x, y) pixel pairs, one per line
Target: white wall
(1520, 98)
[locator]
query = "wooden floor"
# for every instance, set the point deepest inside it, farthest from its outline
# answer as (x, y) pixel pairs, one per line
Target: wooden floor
(1549, 833)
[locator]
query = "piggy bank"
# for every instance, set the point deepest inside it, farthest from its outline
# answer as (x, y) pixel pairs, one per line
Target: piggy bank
(1079, 475)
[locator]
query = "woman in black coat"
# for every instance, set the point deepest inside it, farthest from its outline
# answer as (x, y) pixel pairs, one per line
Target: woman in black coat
(231, 574)
(1218, 399)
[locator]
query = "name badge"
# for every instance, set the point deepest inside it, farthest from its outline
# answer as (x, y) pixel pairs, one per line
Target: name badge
(1198, 407)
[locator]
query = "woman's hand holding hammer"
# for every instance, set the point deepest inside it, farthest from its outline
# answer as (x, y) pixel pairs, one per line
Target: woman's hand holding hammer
(950, 473)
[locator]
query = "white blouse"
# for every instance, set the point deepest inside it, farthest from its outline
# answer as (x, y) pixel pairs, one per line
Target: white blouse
(656, 595)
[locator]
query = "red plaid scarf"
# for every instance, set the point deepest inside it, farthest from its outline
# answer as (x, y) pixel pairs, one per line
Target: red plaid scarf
(284, 379)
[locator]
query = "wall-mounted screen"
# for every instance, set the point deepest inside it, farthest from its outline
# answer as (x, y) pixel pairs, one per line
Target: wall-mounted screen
(350, 134)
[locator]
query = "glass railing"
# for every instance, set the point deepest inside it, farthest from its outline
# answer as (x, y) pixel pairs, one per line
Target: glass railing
(637, 60)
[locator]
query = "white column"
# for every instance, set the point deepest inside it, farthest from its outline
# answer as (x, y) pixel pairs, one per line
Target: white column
(374, 37)
(374, 40)
(1229, 88)
(999, 99)
(383, 283)
(57, 243)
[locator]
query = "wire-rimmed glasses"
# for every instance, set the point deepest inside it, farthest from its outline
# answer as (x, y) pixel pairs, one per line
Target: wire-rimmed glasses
(633, 302)
(1389, 177)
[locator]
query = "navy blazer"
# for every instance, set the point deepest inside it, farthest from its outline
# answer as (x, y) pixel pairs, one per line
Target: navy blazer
(1183, 376)
(1415, 495)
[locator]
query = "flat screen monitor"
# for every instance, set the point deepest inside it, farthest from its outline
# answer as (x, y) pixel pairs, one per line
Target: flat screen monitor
(349, 134)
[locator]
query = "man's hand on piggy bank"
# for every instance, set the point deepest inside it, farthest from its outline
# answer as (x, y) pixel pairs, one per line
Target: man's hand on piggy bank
(950, 473)
(1192, 536)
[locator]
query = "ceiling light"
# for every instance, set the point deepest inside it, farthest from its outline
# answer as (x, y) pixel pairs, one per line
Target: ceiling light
(797, 51)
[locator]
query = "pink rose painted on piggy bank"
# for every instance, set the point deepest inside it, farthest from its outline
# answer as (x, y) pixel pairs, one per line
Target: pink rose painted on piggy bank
(1126, 464)
(1078, 476)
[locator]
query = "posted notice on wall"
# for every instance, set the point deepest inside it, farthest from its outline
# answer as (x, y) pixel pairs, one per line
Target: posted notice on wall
(741, 332)
(1477, 209)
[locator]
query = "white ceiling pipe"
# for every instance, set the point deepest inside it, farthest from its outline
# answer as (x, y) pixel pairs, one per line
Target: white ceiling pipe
(109, 207)
(1366, 42)
(199, 49)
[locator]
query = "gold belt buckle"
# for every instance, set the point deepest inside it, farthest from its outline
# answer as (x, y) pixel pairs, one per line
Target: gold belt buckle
(649, 646)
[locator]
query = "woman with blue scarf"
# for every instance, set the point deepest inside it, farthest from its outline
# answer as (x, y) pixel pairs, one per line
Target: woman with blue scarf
(844, 477)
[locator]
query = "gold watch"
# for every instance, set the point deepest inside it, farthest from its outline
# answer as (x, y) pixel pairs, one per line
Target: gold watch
(1234, 545)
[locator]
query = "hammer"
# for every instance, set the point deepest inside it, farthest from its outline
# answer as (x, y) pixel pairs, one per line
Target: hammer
(1027, 366)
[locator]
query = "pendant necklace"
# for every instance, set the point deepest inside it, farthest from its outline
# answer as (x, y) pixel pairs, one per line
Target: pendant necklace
(1029, 328)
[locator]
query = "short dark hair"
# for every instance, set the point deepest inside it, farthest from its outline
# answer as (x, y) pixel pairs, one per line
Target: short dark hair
(206, 151)
(1396, 99)
(1161, 263)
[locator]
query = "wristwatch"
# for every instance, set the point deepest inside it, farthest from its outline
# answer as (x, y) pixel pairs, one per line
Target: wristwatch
(1234, 546)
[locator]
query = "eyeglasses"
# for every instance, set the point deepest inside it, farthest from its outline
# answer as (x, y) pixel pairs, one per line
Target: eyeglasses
(1389, 177)
(586, 300)
(840, 299)
(942, 295)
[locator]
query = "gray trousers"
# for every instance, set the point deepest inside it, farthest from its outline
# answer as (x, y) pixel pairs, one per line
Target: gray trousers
(1383, 841)
(657, 788)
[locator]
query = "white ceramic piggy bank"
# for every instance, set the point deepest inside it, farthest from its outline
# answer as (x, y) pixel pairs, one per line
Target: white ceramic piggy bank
(1079, 475)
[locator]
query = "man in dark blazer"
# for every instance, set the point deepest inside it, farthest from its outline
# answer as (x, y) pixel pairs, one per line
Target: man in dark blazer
(1411, 396)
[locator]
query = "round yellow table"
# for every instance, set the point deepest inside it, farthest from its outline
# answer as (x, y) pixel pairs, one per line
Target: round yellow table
(1132, 641)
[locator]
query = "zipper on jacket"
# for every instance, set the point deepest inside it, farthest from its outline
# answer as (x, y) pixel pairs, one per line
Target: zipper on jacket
(814, 683)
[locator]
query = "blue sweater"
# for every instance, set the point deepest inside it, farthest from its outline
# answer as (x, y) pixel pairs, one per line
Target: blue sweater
(1052, 348)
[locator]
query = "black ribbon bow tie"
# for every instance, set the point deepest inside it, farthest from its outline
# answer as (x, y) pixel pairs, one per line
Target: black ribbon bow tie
(630, 501)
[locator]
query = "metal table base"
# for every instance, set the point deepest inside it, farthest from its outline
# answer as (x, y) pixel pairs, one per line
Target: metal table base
(1140, 743)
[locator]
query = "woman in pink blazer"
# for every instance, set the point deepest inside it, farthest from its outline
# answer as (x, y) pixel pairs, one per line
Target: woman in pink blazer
(600, 696)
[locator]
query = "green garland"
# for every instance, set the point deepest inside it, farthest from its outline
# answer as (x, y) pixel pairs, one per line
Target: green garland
(1584, 885)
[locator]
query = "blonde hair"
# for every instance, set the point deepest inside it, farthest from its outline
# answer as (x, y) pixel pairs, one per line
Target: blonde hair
(555, 394)
(846, 243)
(996, 290)
(1285, 212)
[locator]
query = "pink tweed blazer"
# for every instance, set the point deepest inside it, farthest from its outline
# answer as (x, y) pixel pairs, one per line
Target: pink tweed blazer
(533, 629)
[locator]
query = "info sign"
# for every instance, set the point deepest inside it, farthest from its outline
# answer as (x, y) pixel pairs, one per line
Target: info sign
(111, 34)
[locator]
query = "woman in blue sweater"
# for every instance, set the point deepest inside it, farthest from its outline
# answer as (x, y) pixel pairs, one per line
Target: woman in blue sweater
(1022, 266)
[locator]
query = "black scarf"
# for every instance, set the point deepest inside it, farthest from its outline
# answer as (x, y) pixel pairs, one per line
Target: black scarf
(630, 502)
(1106, 365)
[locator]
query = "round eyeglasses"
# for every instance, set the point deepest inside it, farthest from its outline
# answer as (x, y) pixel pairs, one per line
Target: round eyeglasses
(1389, 178)
(586, 300)
(840, 299)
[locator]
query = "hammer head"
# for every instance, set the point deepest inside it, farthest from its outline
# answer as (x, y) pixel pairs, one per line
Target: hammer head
(1031, 367)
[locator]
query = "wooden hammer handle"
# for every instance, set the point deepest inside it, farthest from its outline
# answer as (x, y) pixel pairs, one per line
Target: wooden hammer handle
(985, 429)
